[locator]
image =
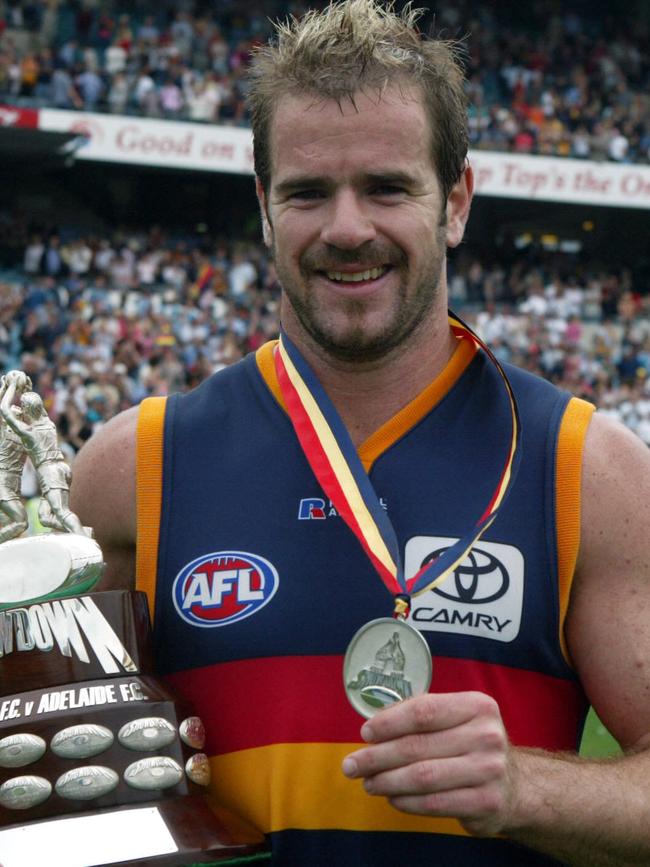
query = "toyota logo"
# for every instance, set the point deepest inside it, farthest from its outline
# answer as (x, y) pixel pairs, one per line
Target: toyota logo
(479, 579)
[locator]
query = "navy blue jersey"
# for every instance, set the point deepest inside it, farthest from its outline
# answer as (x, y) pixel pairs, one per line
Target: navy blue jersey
(258, 586)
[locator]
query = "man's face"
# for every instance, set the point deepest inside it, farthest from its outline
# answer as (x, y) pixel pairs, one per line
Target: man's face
(356, 222)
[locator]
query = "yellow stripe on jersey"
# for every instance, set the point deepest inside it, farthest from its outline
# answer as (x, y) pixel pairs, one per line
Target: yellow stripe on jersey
(301, 786)
(266, 366)
(149, 473)
(568, 470)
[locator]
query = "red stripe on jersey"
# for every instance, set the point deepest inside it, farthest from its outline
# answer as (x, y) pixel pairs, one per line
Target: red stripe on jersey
(301, 700)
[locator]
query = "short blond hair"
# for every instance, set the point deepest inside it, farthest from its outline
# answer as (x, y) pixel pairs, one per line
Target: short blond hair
(359, 45)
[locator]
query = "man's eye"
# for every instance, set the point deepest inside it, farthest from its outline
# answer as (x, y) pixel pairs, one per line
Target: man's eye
(388, 190)
(306, 195)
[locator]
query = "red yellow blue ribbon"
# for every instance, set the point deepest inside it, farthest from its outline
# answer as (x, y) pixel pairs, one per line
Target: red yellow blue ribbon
(333, 458)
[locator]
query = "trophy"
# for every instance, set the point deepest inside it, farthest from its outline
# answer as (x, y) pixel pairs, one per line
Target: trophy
(100, 764)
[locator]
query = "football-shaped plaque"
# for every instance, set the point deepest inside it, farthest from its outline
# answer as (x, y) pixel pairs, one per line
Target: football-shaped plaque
(21, 749)
(81, 742)
(147, 734)
(155, 772)
(86, 783)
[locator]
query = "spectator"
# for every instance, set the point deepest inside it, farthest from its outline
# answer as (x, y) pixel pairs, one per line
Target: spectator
(115, 58)
(243, 276)
(118, 95)
(33, 255)
(144, 93)
(90, 87)
(64, 92)
(171, 99)
(53, 264)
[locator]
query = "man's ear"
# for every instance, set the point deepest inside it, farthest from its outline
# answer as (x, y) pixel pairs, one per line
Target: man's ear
(458, 205)
(267, 231)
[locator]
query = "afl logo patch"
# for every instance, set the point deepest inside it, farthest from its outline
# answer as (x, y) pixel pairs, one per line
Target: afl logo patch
(224, 587)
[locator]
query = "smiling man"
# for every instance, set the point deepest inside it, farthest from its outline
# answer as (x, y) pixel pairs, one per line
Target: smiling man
(360, 245)
(370, 450)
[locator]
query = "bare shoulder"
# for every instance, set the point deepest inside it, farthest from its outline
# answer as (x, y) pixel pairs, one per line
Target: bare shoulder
(103, 494)
(610, 601)
(615, 492)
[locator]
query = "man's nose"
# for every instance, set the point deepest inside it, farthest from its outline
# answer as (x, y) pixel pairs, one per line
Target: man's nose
(347, 222)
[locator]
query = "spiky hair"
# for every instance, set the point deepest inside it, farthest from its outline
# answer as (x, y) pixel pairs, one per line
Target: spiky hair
(361, 45)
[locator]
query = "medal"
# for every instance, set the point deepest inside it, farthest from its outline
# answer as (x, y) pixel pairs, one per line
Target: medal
(388, 660)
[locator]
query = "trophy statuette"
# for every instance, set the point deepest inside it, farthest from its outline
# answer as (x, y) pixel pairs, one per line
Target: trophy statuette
(100, 763)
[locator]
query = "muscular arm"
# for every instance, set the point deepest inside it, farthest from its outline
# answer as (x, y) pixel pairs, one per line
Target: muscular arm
(448, 755)
(103, 496)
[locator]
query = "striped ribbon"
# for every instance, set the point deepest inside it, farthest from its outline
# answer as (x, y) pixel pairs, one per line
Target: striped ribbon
(333, 458)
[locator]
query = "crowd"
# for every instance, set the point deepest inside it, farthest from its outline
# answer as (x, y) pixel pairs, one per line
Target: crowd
(557, 82)
(101, 323)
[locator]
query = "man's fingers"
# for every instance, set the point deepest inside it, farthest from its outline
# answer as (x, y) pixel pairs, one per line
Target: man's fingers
(428, 713)
(438, 775)
(469, 805)
(409, 749)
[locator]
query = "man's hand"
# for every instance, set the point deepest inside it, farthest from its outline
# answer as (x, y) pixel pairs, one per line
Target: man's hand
(440, 755)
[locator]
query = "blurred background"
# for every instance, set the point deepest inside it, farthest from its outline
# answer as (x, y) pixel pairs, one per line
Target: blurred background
(131, 261)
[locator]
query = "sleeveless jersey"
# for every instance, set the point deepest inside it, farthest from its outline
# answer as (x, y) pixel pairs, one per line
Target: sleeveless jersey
(256, 587)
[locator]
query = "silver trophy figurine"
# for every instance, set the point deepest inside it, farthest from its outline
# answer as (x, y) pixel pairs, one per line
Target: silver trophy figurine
(63, 562)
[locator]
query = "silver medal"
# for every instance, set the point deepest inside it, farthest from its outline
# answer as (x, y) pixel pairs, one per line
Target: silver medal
(387, 661)
(82, 741)
(146, 733)
(84, 784)
(156, 772)
(21, 793)
(19, 750)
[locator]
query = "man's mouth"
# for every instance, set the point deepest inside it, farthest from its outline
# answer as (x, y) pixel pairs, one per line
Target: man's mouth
(357, 276)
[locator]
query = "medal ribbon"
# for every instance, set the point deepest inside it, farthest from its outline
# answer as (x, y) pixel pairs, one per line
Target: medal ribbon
(333, 458)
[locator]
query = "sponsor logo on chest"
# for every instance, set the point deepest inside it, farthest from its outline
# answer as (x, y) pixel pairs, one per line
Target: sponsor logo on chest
(318, 509)
(483, 596)
(223, 587)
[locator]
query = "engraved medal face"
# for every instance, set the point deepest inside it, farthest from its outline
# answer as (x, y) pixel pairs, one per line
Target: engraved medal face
(84, 784)
(192, 732)
(197, 768)
(82, 741)
(156, 772)
(387, 661)
(146, 733)
(19, 750)
(21, 793)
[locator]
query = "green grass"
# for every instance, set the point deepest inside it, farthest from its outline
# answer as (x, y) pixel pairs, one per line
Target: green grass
(596, 740)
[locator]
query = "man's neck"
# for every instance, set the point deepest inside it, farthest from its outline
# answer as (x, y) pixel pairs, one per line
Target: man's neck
(366, 396)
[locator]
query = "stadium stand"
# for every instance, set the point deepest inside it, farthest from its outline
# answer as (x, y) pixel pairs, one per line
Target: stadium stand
(543, 78)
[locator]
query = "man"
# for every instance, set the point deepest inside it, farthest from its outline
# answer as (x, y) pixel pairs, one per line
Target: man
(257, 584)
(37, 433)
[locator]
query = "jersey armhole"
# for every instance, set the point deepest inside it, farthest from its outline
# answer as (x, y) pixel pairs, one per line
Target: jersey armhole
(149, 466)
(568, 475)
